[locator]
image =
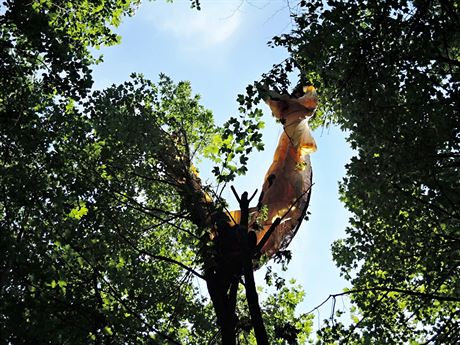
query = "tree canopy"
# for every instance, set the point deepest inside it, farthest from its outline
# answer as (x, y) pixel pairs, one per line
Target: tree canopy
(388, 73)
(102, 239)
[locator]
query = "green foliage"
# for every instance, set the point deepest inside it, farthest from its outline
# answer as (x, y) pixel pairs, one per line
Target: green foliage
(99, 240)
(89, 213)
(284, 325)
(49, 42)
(388, 73)
(232, 146)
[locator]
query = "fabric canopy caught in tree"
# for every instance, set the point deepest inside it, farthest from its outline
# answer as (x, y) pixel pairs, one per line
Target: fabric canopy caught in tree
(287, 183)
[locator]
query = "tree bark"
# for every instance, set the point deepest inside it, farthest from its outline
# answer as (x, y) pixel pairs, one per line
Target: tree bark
(248, 272)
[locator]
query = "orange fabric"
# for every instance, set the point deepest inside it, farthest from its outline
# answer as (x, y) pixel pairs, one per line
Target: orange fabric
(235, 217)
(288, 180)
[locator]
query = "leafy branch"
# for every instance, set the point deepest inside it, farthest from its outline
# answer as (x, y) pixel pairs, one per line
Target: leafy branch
(441, 298)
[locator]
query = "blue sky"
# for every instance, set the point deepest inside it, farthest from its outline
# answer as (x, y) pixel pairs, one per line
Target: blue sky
(220, 50)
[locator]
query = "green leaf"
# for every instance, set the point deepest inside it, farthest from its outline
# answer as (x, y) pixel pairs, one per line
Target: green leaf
(79, 211)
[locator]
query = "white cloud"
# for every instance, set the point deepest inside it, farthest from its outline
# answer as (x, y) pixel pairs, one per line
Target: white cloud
(215, 24)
